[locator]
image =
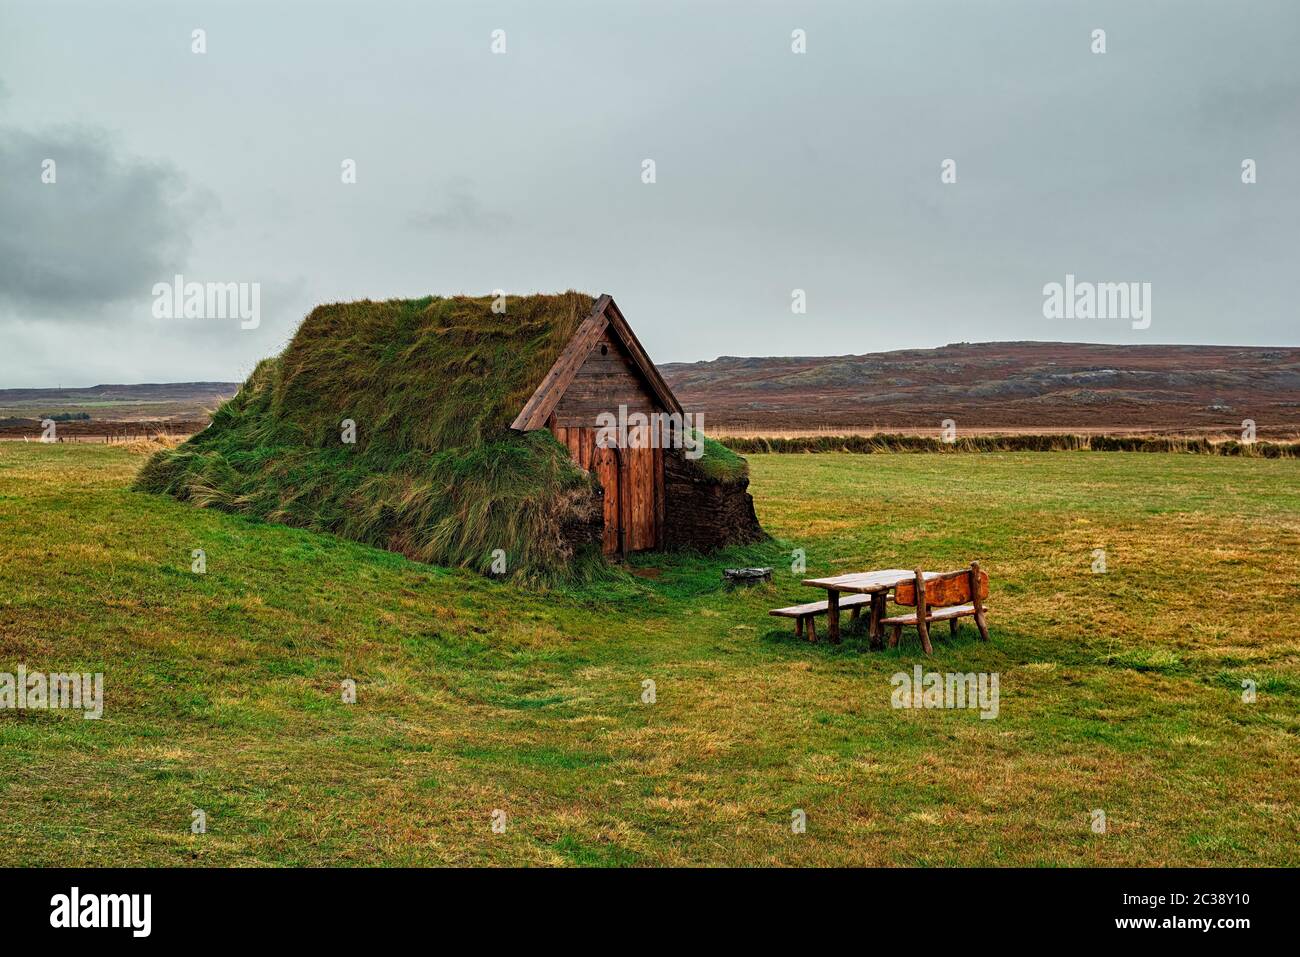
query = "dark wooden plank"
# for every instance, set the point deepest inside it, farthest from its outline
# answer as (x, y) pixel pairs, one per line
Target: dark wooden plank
(627, 488)
(607, 474)
(643, 484)
(647, 494)
(660, 505)
(636, 460)
(606, 394)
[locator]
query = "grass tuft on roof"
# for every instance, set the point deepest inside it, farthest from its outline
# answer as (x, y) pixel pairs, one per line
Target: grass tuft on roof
(435, 473)
(721, 463)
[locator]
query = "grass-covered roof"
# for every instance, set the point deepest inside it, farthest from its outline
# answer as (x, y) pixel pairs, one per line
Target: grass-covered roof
(435, 472)
(423, 373)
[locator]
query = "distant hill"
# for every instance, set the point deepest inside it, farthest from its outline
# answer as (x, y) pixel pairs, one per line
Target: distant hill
(1002, 385)
(164, 401)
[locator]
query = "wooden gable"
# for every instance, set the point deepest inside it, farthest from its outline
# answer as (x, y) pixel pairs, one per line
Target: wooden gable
(606, 379)
(602, 367)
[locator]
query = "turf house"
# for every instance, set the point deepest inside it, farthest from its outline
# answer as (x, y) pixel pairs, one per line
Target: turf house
(459, 434)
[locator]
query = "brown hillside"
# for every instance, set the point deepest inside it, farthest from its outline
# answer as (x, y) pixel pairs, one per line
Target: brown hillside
(1011, 386)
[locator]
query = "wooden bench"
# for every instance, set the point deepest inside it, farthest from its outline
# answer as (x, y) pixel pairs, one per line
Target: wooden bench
(944, 597)
(809, 612)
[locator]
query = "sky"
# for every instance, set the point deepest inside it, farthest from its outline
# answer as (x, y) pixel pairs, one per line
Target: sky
(524, 170)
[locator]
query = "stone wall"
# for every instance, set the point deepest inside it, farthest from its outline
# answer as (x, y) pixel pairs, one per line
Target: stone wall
(704, 513)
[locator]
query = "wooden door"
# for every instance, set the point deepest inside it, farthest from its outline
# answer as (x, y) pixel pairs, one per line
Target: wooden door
(608, 473)
(638, 492)
(632, 479)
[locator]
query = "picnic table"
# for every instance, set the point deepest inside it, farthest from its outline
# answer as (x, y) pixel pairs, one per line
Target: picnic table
(877, 584)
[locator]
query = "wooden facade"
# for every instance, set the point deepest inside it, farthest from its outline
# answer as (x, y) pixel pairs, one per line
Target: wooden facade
(602, 369)
(633, 483)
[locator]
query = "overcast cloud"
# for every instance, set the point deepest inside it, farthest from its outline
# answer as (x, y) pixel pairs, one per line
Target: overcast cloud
(119, 225)
(775, 171)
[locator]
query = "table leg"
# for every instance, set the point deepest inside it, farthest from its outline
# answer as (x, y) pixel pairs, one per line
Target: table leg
(833, 615)
(877, 615)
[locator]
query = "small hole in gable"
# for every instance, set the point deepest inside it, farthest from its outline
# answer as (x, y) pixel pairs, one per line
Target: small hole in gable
(604, 350)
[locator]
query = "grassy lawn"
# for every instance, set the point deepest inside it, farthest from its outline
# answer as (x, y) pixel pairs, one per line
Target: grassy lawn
(1119, 691)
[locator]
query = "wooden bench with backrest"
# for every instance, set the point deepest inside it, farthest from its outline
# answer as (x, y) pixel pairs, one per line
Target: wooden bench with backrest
(944, 597)
(807, 613)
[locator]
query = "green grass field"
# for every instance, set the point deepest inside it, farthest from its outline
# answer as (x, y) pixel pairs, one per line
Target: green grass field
(1119, 691)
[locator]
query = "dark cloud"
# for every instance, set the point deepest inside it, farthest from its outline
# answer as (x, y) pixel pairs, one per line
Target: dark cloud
(105, 230)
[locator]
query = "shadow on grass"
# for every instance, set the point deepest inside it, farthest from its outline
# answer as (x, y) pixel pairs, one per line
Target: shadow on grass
(855, 641)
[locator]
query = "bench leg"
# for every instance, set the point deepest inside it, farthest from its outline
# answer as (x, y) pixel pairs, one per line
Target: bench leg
(833, 616)
(952, 627)
(798, 627)
(896, 634)
(976, 576)
(853, 615)
(812, 627)
(924, 630)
